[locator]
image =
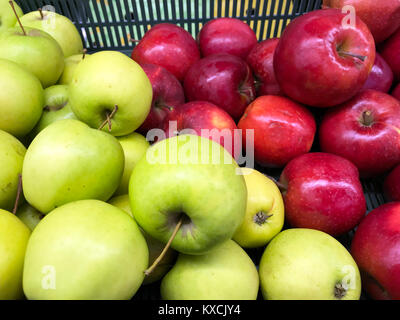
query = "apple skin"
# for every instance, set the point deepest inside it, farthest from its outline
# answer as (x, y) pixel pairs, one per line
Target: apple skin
(167, 94)
(373, 145)
(306, 264)
(21, 99)
(69, 161)
(375, 247)
(265, 211)
(226, 35)
(390, 52)
(70, 65)
(120, 81)
(164, 190)
(14, 237)
(381, 76)
(320, 76)
(29, 216)
(261, 61)
(283, 129)
(225, 273)
(222, 79)
(396, 92)
(391, 184)
(7, 15)
(323, 192)
(169, 46)
(97, 252)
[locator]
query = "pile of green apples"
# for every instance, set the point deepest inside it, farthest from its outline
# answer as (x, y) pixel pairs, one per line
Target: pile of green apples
(88, 210)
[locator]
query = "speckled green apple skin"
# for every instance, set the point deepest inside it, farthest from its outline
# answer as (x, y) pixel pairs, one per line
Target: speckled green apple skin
(7, 15)
(306, 264)
(69, 161)
(14, 237)
(210, 193)
(70, 65)
(29, 216)
(96, 250)
(225, 273)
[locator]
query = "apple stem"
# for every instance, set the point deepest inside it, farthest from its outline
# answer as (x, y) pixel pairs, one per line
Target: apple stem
(281, 186)
(353, 55)
(133, 40)
(84, 54)
(19, 190)
(162, 254)
(41, 13)
(16, 15)
(367, 118)
(108, 119)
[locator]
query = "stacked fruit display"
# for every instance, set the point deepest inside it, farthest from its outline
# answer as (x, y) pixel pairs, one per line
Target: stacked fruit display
(117, 172)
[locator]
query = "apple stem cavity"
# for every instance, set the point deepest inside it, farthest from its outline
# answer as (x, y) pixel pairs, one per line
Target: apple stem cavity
(367, 119)
(260, 217)
(340, 291)
(16, 15)
(108, 119)
(19, 190)
(353, 55)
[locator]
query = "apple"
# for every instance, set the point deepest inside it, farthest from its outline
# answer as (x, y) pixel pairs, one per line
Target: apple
(375, 247)
(396, 92)
(382, 25)
(21, 99)
(85, 250)
(226, 35)
(323, 192)
(222, 79)
(169, 46)
(119, 91)
(225, 273)
(364, 130)
(261, 62)
(391, 184)
(306, 264)
(7, 15)
(190, 184)
(29, 216)
(70, 65)
(34, 50)
(264, 213)
(68, 161)
(167, 94)
(59, 27)
(283, 129)
(381, 76)
(321, 62)
(390, 52)
(134, 146)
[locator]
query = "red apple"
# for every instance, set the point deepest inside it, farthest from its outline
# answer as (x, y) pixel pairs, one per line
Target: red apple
(320, 62)
(167, 94)
(169, 46)
(323, 192)
(376, 250)
(391, 184)
(381, 76)
(283, 129)
(364, 130)
(396, 92)
(381, 17)
(261, 61)
(226, 35)
(390, 51)
(222, 79)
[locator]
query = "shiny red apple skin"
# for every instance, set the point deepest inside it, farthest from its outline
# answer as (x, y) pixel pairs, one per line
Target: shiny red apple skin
(308, 66)
(283, 129)
(167, 94)
(390, 51)
(222, 79)
(169, 46)
(381, 17)
(323, 192)
(226, 35)
(381, 76)
(396, 92)
(373, 148)
(391, 185)
(376, 250)
(261, 62)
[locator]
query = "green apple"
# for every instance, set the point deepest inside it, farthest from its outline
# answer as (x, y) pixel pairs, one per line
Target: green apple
(70, 64)
(225, 273)
(14, 237)
(107, 80)
(85, 250)
(69, 161)
(135, 146)
(265, 211)
(21, 99)
(59, 27)
(155, 246)
(12, 153)
(307, 264)
(7, 15)
(192, 181)
(29, 216)
(36, 51)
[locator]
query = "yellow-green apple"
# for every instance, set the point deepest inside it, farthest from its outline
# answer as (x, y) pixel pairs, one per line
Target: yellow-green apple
(14, 237)
(70, 64)
(381, 76)
(264, 213)
(29, 216)
(190, 184)
(307, 264)
(391, 184)
(225, 273)
(71, 161)
(119, 91)
(390, 52)
(21, 99)
(85, 250)
(7, 15)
